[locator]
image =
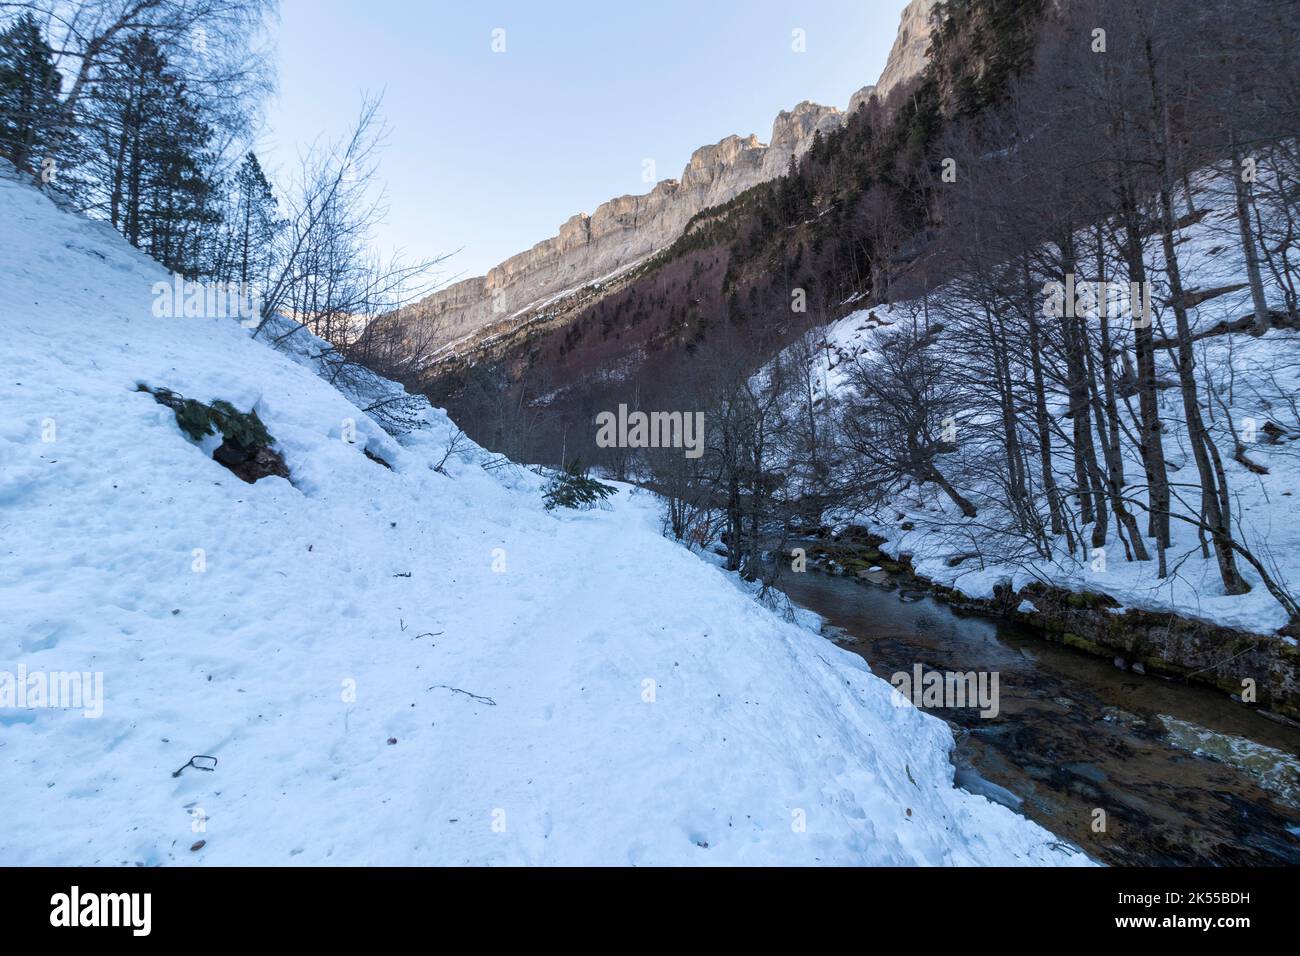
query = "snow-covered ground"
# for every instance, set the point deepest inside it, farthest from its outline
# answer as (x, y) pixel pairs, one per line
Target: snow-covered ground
(400, 667)
(1256, 379)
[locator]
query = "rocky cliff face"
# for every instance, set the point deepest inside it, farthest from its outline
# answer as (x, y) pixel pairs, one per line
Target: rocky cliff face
(907, 56)
(626, 230)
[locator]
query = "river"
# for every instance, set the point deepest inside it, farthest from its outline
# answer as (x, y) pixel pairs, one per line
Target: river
(1181, 774)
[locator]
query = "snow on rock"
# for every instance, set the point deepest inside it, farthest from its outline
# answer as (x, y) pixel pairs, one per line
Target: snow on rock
(391, 666)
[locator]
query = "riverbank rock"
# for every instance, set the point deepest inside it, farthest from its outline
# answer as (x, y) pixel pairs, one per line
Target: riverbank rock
(1261, 669)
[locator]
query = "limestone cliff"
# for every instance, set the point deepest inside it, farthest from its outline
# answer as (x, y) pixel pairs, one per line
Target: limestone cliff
(626, 230)
(907, 56)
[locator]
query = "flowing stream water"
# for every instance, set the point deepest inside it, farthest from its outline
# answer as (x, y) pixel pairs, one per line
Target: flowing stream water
(1182, 774)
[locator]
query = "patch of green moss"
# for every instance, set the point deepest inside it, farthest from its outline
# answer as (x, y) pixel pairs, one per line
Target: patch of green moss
(1082, 643)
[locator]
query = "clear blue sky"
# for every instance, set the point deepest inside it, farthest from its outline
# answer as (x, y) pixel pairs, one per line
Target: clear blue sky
(490, 152)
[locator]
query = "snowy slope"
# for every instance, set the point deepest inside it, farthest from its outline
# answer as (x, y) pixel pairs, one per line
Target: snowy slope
(756, 723)
(1256, 379)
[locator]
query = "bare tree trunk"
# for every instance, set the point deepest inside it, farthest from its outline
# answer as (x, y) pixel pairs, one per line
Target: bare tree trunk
(933, 474)
(1241, 193)
(1042, 421)
(1215, 503)
(1085, 461)
(1150, 429)
(1108, 433)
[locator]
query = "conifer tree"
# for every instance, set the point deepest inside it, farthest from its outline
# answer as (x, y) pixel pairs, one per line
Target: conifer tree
(29, 93)
(253, 221)
(147, 164)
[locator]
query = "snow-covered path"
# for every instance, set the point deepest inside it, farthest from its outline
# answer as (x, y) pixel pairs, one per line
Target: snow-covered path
(272, 626)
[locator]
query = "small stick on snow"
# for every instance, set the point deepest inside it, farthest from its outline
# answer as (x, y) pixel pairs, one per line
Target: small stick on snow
(191, 763)
(483, 700)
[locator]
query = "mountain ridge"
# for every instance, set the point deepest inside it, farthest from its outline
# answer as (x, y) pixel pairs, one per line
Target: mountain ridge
(626, 229)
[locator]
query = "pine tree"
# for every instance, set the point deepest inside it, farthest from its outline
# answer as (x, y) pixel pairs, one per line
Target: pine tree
(252, 223)
(575, 488)
(29, 93)
(148, 165)
(181, 199)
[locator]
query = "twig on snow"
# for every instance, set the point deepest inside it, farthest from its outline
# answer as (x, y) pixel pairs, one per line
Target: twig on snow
(190, 763)
(456, 690)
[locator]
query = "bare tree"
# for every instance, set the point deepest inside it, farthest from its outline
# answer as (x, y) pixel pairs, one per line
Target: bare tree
(325, 276)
